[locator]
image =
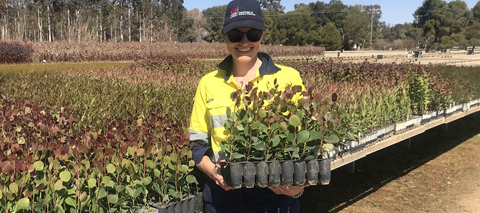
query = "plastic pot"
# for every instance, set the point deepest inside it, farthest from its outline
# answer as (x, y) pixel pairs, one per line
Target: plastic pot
(312, 172)
(274, 173)
(249, 171)
(299, 169)
(287, 173)
(199, 203)
(233, 172)
(325, 171)
(262, 174)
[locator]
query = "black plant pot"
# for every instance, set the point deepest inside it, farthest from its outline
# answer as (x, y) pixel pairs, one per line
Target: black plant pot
(312, 172)
(299, 169)
(249, 171)
(274, 173)
(199, 203)
(167, 208)
(262, 174)
(178, 207)
(325, 171)
(190, 205)
(287, 173)
(232, 172)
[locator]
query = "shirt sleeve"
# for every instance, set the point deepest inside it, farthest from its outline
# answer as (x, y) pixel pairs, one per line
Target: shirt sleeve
(199, 124)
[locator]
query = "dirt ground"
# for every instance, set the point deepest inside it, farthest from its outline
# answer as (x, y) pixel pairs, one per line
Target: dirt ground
(458, 58)
(439, 173)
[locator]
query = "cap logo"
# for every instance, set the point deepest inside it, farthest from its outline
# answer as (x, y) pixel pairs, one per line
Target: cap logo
(234, 13)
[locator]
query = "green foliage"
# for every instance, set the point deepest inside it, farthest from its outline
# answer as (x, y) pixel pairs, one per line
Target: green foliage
(419, 92)
(356, 28)
(300, 26)
(64, 167)
(273, 125)
(215, 17)
(329, 37)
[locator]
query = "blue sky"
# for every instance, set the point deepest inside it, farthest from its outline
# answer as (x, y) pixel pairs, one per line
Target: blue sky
(393, 11)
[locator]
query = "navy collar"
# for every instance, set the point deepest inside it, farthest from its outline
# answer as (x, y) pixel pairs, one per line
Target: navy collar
(267, 67)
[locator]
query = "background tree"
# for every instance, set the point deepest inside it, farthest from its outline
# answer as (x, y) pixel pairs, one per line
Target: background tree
(199, 23)
(214, 16)
(329, 37)
(299, 26)
(356, 27)
(271, 5)
(476, 11)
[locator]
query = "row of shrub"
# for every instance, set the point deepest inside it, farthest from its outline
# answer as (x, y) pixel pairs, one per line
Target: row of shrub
(15, 52)
(109, 139)
(49, 162)
(64, 51)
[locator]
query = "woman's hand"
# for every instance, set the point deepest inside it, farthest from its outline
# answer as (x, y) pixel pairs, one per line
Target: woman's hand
(214, 172)
(287, 190)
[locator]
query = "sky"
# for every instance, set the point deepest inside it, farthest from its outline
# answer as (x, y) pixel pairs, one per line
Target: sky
(393, 11)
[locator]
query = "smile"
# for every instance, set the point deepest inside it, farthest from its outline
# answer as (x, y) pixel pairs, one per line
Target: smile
(244, 50)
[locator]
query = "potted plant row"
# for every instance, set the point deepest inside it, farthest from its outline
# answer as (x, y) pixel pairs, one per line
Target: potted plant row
(278, 137)
(49, 162)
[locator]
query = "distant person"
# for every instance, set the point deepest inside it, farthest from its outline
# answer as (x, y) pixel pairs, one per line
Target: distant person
(243, 31)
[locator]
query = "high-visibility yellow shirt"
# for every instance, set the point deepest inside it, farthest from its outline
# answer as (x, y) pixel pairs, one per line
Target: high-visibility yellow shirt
(212, 99)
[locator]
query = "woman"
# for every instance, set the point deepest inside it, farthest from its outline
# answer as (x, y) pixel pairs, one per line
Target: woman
(243, 32)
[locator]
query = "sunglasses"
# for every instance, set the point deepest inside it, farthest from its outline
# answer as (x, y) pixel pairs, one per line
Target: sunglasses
(253, 35)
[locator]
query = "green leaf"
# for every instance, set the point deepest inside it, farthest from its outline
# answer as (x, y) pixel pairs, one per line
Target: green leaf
(191, 179)
(38, 166)
(58, 185)
(13, 187)
(316, 135)
(233, 116)
(275, 140)
(228, 124)
(113, 198)
(146, 180)
(60, 209)
(237, 156)
(65, 176)
(23, 203)
(150, 164)
(70, 201)
(157, 173)
(260, 145)
(332, 139)
(294, 120)
(138, 191)
(110, 168)
(302, 136)
(106, 180)
(101, 193)
(235, 131)
(290, 137)
(92, 183)
(255, 124)
(120, 188)
(240, 127)
(173, 193)
(129, 191)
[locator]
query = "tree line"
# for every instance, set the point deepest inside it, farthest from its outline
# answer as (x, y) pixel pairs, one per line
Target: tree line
(334, 25)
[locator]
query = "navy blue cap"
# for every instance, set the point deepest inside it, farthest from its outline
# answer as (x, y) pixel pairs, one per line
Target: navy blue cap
(243, 13)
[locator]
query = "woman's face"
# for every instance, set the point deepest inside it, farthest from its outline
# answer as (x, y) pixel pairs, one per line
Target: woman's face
(243, 51)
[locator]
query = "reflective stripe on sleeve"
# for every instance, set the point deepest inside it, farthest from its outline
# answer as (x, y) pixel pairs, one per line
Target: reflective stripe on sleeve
(218, 120)
(197, 135)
